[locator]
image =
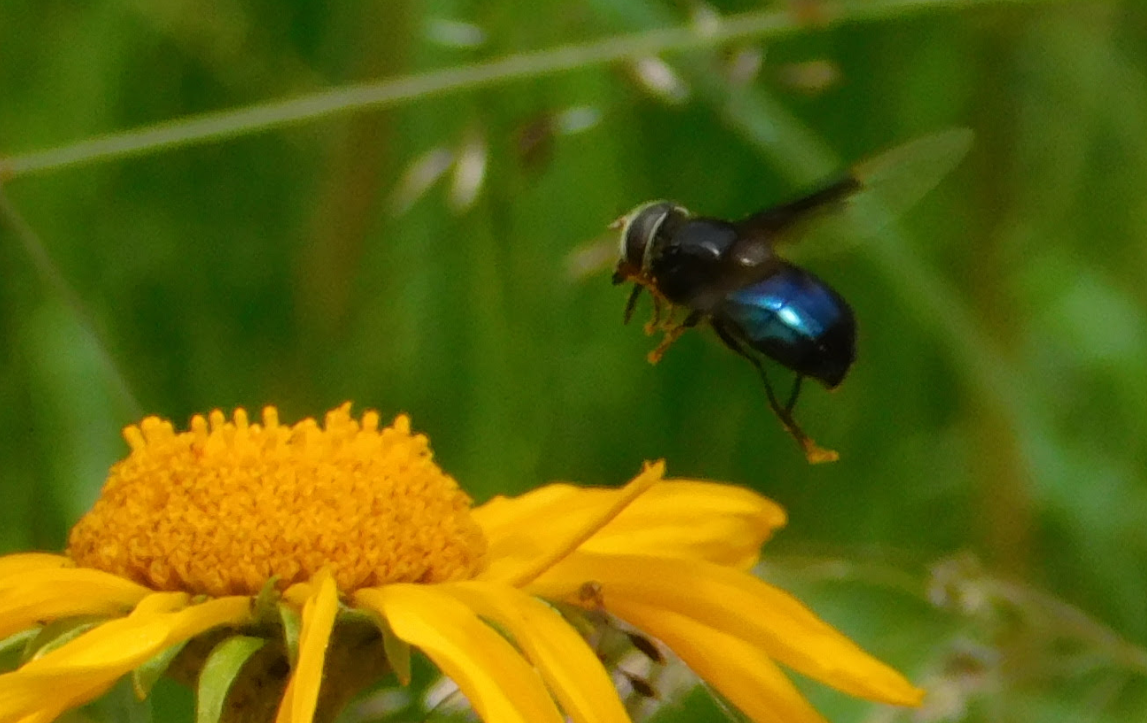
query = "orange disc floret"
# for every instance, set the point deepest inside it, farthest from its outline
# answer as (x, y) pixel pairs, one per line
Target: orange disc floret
(228, 505)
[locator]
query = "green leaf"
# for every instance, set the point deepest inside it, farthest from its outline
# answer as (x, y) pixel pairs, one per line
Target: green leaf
(266, 601)
(220, 671)
(397, 651)
(144, 678)
(12, 647)
(58, 633)
(292, 622)
(128, 706)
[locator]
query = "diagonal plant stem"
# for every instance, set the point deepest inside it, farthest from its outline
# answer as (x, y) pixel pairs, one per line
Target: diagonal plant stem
(221, 125)
(11, 218)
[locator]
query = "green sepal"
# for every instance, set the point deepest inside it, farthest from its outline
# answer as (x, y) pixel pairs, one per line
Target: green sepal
(397, 650)
(144, 678)
(128, 707)
(12, 647)
(292, 623)
(264, 609)
(397, 654)
(58, 633)
(355, 616)
(219, 672)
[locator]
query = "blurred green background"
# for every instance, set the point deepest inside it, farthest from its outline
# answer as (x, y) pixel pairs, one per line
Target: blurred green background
(998, 406)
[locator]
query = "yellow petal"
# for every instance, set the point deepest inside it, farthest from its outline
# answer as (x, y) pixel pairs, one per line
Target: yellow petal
(87, 666)
(299, 593)
(685, 519)
(567, 663)
(519, 550)
(501, 686)
(736, 603)
(675, 518)
(302, 694)
(41, 698)
(503, 516)
(161, 602)
(134, 639)
(738, 670)
(26, 561)
(49, 593)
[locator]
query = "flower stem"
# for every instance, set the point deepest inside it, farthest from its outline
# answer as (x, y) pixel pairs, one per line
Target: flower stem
(13, 221)
(221, 125)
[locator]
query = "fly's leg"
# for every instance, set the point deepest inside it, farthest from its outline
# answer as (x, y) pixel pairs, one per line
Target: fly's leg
(664, 314)
(655, 323)
(813, 452)
(673, 332)
(796, 391)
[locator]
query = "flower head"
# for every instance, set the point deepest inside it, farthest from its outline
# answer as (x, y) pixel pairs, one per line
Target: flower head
(225, 507)
(307, 560)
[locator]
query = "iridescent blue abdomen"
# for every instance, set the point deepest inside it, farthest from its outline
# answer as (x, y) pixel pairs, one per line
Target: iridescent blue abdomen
(796, 319)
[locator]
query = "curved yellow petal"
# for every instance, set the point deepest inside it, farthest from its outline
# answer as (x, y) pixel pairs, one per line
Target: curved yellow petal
(319, 611)
(736, 603)
(132, 640)
(501, 686)
(38, 718)
(567, 663)
(42, 698)
(299, 593)
(87, 666)
(502, 516)
(27, 561)
(507, 517)
(686, 519)
(161, 602)
(520, 552)
(513, 537)
(738, 670)
(674, 518)
(48, 593)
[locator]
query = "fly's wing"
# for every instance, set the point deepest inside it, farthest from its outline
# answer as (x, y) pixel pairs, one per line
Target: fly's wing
(864, 201)
(591, 258)
(895, 180)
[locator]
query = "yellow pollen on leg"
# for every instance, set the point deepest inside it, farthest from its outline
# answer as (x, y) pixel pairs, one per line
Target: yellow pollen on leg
(224, 507)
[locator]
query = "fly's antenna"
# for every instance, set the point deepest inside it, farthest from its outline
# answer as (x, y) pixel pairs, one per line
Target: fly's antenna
(631, 303)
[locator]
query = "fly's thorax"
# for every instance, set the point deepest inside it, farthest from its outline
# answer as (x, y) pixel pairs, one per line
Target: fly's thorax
(690, 261)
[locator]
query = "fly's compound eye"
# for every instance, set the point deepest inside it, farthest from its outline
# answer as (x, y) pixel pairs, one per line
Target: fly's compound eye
(639, 228)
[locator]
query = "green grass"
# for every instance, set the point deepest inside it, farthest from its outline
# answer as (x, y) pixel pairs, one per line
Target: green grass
(180, 262)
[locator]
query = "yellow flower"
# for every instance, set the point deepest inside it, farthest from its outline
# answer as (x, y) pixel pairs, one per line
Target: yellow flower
(329, 550)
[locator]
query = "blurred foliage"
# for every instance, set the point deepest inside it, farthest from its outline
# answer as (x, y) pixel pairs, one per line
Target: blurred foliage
(998, 406)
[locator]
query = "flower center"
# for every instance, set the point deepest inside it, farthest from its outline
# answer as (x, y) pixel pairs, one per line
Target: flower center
(225, 507)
